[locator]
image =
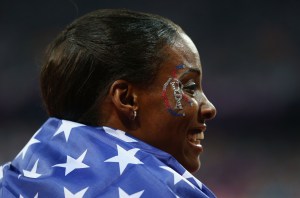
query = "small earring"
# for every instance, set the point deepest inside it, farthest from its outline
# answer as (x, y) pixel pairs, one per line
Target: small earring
(134, 114)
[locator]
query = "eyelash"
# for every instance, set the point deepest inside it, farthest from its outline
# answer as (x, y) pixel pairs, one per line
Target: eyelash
(190, 87)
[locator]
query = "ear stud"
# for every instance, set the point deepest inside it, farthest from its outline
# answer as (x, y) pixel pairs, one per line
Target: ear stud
(134, 114)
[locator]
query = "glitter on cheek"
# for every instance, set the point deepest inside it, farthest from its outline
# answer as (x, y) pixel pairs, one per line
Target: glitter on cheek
(175, 114)
(176, 85)
(177, 92)
(166, 100)
(174, 73)
(180, 67)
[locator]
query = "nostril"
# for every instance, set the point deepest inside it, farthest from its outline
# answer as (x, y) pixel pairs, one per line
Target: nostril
(211, 114)
(208, 111)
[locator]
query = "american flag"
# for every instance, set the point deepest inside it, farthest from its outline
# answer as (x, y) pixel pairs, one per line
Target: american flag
(72, 160)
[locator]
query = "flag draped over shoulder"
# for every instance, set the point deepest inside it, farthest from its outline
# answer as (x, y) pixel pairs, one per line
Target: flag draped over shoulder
(72, 160)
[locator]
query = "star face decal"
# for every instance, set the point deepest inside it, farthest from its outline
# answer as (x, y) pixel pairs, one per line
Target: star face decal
(119, 134)
(66, 128)
(31, 142)
(177, 177)
(73, 164)
(69, 194)
(124, 158)
(123, 194)
(32, 173)
(188, 175)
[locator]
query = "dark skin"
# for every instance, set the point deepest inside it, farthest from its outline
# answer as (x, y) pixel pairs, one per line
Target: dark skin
(179, 136)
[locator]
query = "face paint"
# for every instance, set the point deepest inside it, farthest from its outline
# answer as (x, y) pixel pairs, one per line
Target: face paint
(166, 100)
(177, 92)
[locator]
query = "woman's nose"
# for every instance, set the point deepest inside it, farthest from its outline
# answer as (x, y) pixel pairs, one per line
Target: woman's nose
(207, 110)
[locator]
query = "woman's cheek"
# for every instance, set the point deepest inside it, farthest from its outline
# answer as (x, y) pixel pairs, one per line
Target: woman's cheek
(172, 95)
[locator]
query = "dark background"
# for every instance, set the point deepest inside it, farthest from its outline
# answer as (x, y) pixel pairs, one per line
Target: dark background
(250, 56)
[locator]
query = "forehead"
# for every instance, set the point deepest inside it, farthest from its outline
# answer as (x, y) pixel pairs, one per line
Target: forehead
(184, 42)
(182, 52)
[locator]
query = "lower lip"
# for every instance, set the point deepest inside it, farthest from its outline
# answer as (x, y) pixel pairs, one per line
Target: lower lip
(196, 147)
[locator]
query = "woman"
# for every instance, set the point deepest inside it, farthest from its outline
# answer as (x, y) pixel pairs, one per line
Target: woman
(127, 113)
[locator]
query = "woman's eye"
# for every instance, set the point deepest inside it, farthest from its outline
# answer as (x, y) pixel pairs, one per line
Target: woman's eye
(190, 87)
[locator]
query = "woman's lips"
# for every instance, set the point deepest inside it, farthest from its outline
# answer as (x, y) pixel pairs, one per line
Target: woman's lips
(194, 140)
(196, 137)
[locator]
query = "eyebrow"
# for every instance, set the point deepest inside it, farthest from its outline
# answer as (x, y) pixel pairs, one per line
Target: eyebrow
(189, 70)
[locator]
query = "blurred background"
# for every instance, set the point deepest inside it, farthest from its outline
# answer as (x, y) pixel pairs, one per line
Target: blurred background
(250, 55)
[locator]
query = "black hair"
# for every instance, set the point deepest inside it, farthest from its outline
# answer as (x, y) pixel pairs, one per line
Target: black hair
(94, 51)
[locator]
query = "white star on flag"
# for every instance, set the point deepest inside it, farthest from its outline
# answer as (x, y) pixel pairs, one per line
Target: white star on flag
(124, 158)
(1, 172)
(177, 177)
(73, 164)
(79, 194)
(119, 134)
(36, 196)
(32, 173)
(123, 194)
(187, 175)
(66, 128)
(31, 142)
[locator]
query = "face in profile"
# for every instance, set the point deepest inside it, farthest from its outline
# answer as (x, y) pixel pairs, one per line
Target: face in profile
(173, 111)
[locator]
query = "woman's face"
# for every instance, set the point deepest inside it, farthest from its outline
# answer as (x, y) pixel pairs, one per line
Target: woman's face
(173, 110)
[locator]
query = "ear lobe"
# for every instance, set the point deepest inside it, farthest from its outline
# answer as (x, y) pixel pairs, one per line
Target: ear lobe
(123, 98)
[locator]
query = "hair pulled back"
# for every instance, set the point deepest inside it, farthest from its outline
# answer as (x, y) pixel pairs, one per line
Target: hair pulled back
(97, 49)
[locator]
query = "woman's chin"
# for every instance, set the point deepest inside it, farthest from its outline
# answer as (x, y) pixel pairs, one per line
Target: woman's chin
(192, 165)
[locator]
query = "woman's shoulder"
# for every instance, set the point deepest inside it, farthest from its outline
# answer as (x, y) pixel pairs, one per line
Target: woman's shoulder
(68, 158)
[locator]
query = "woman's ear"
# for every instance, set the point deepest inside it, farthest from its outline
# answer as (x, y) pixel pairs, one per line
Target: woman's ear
(124, 98)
